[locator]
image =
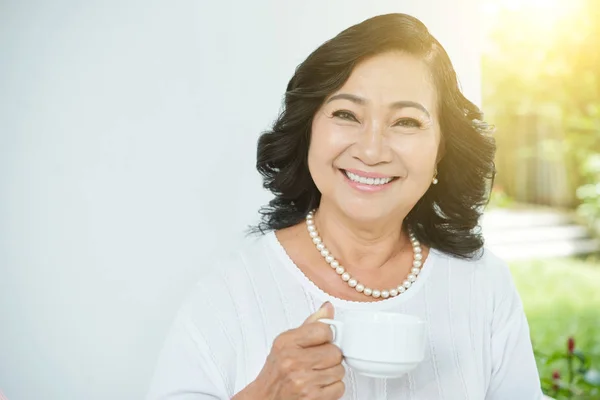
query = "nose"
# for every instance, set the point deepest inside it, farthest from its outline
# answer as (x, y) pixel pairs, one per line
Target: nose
(371, 146)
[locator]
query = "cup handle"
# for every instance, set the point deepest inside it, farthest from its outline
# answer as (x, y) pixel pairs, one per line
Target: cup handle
(336, 329)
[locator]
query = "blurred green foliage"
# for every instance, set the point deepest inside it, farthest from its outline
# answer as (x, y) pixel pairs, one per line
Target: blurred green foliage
(561, 300)
(546, 61)
(542, 59)
(589, 192)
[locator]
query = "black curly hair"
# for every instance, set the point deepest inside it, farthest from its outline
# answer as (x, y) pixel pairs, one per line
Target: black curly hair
(447, 215)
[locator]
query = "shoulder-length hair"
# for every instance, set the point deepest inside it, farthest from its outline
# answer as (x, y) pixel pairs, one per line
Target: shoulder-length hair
(447, 215)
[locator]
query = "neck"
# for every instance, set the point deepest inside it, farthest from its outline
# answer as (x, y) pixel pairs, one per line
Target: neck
(367, 245)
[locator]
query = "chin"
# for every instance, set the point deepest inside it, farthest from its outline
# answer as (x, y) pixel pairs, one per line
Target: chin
(365, 211)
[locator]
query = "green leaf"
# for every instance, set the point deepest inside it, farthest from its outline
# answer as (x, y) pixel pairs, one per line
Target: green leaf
(556, 357)
(585, 362)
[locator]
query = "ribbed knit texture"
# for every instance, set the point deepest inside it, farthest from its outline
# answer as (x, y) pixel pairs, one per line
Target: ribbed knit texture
(478, 344)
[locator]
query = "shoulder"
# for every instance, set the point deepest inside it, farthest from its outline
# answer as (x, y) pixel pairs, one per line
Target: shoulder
(484, 263)
(250, 252)
(227, 273)
(206, 334)
(488, 283)
(496, 271)
(484, 260)
(486, 273)
(228, 282)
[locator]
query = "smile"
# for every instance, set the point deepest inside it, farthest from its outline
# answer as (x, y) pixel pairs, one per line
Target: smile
(366, 182)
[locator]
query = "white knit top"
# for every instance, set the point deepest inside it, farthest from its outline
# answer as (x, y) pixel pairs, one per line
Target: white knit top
(478, 344)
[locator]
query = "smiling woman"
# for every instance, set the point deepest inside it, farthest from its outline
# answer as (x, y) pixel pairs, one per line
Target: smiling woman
(388, 100)
(382, 123)
(379, 168)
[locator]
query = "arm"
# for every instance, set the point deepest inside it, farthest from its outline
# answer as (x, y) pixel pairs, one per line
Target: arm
(514, 372)
(185, 369)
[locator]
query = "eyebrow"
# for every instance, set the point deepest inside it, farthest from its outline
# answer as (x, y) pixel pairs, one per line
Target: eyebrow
(360, 101)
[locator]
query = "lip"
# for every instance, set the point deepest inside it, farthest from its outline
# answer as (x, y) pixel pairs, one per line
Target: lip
(366, 188)
(368, 174)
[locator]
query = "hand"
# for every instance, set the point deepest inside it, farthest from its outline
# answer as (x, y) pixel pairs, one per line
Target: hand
(303, 364)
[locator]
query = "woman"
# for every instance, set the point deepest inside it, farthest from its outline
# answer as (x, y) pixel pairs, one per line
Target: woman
(380, 169)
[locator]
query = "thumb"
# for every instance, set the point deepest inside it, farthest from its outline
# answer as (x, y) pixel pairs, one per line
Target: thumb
(325, 311)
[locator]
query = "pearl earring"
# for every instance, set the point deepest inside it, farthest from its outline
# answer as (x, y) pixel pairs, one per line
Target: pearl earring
(435, 179)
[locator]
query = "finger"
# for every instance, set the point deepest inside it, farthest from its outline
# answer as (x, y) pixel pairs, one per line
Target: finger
(331, 375)
(323, 356)
(335, 391)
(325, 311)
(313, 334)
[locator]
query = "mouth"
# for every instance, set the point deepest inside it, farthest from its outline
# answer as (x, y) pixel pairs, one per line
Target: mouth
(374, 182)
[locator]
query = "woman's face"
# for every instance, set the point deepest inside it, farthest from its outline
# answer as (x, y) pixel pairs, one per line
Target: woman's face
(375, 141)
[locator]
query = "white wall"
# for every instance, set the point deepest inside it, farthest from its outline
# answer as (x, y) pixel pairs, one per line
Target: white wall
(127, 148)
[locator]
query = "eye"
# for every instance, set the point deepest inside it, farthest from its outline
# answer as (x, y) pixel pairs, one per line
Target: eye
(345, 115)
(409, 123)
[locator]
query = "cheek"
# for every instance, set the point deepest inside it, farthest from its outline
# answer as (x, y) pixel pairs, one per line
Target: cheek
(328, 141)
(317, 151)
(419, 153)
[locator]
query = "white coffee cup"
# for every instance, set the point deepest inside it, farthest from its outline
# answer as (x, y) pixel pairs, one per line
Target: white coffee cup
(379, 344)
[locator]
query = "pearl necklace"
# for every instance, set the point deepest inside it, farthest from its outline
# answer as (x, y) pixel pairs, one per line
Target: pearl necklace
(353, 283)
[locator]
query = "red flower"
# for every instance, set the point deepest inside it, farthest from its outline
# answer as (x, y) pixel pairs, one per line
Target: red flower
(556, 380)
(556, 375)
(571, 344)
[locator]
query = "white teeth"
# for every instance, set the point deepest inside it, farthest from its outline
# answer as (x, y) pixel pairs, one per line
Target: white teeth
(367, 181)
